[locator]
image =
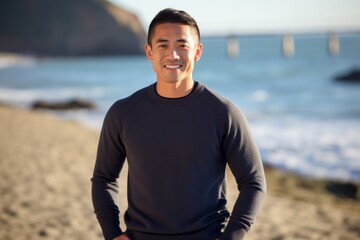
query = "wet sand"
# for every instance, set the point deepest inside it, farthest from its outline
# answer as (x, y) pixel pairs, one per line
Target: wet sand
(45, 170)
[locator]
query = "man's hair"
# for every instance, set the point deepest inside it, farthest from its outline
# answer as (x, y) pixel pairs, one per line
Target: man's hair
(170, 15)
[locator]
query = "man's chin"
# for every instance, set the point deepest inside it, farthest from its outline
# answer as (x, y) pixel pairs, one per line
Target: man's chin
(173, 80)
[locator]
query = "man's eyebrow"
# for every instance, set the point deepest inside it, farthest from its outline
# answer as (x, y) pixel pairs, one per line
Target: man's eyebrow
(163, 40)
(182, 40)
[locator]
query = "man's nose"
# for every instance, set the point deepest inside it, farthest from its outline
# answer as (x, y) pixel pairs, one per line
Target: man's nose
(173, 53)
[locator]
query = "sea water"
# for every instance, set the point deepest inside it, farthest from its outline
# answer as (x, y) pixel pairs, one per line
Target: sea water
(302, 119)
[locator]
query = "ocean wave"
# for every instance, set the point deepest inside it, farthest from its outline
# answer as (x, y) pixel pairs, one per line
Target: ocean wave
(9, 60)
(313, 147)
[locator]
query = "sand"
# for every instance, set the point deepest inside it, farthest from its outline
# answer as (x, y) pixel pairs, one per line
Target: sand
(45, 170)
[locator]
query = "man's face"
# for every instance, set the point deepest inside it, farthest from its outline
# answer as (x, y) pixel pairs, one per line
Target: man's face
(173, 51)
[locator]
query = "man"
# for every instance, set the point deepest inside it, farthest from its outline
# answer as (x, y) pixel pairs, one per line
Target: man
(177, 137)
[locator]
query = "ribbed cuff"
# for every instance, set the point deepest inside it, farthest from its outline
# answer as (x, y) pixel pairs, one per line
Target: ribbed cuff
(110, 224)
(231, 234)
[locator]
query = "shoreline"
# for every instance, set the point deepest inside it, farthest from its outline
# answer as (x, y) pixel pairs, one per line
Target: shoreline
(66, 115)
(76, 115)
(91, 120)
(47, 165)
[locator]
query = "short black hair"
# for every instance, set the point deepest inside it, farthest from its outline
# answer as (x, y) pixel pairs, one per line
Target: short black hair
(170, 15)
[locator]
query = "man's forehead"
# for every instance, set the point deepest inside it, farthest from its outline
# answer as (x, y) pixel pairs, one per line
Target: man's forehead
(165, 32)
(172, 28)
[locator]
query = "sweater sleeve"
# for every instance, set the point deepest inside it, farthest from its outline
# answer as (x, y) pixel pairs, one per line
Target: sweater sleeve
(109, 162)
(244, 160)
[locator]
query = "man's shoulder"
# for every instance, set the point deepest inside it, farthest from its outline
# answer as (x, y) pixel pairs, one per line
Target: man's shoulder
(125, 105)
(217, 100)
(135, 98)
(223, 108)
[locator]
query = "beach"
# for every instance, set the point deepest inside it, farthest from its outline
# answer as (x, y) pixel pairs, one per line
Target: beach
(46, 165)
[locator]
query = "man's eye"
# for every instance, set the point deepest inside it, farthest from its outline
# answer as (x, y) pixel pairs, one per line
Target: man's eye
(162, 46)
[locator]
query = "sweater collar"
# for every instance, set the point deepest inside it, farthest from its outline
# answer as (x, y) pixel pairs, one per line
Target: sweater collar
(154, 96)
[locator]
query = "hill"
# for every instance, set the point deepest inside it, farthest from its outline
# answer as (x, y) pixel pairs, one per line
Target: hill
(69, 28)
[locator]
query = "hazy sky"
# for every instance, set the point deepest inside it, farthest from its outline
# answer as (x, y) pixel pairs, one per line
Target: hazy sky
(245, 16)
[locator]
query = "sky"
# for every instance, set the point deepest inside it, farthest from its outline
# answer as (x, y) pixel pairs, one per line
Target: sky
(257, 16)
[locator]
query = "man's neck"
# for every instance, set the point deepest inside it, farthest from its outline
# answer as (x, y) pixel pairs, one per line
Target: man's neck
(174, 90)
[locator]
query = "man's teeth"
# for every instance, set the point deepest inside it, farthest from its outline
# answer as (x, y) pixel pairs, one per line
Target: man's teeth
(173, 66)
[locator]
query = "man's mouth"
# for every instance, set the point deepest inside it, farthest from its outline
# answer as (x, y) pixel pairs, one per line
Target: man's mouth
(172, 66)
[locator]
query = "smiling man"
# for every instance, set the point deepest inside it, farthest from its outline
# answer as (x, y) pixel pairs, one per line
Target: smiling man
(177, 137)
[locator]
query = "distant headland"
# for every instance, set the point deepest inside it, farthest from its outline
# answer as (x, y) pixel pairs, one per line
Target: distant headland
(69, 28)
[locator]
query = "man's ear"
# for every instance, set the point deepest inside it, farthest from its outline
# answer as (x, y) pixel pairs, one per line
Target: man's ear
(148, 51)
(198, 52)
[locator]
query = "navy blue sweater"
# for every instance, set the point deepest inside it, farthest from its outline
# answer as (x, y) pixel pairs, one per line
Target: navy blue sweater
(177, 151)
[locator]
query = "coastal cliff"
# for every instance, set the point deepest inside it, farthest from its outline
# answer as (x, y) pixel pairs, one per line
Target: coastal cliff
(69, 28)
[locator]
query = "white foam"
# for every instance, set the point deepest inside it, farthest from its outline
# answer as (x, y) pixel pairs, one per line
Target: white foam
(320, 148)
(8, 60)
(25, 97)
(19, 96)
(260, 95)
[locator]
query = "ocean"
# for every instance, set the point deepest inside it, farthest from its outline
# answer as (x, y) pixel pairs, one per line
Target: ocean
(302, 119)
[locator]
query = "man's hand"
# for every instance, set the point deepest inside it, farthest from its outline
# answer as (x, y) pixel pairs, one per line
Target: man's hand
(122, 237)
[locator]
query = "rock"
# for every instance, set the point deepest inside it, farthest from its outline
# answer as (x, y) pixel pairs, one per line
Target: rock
(68, 105)
(343, 190)
(350, 77)
(69, 28)
(307, 188)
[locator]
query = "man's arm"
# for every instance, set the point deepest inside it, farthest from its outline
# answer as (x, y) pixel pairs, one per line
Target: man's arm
(245, 163)
(109, 161)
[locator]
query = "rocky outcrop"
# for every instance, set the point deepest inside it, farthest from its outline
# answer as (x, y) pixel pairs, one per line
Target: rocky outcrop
(73, 104)
(349, 77)
(69, 28)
